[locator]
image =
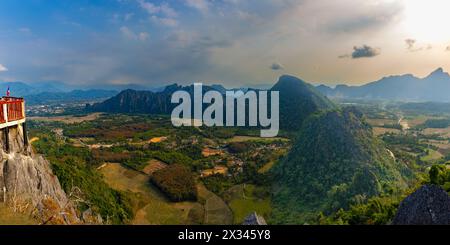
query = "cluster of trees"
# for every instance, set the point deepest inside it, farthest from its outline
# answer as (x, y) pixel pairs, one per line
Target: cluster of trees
(406, 142)
(106, 132)
(238, 147)
(393, 125)
(436, 123)
(380, 210)
(376, 211)
(177, 182)
(219, 183)
(137, 156)
(110, 156)
(440, 175)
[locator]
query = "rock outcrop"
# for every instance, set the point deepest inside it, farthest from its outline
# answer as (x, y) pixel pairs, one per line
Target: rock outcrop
(254, 219)
(429, 205)
(27, 183)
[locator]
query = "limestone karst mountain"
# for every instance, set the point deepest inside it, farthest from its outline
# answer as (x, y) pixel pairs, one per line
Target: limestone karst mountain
(298, 100)
(334, 162)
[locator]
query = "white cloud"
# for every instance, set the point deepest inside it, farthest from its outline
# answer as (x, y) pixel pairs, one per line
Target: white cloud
(127, 32)
(3, 68)
(153, 9)
(128, 16)
(164, 21)
(142, 36)
(200, 5)
(160, 14)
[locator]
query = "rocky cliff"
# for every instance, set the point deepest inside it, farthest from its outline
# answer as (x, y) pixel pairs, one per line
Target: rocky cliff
(27, 184)
(429, 205)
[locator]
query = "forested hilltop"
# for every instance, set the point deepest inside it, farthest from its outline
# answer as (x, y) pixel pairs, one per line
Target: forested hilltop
(334, 162)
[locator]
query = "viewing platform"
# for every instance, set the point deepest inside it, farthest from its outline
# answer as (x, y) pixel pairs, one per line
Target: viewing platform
(12, 119)
(12, 112)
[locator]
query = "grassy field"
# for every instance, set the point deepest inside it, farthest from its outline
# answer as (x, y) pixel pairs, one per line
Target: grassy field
(153, 166)
(67, 119)
(146, 198)
(217, 211)
(9, 217)
(267, 167)
(379, 122)
(432, 156)
(418, 120)
(380, 131)
(443, 132)
(242, 201)
(152, 207)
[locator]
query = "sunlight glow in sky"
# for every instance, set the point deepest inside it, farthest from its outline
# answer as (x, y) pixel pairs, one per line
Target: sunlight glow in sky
(428, 20)
(234, 42)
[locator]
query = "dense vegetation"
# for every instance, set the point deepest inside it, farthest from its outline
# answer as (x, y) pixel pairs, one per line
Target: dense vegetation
(380, 210)
(440, 175)
(177, 182)
(335, 162)
(75, 168)
(376, 211)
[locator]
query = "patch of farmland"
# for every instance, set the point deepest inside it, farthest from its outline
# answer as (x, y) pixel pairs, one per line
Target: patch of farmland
(153, 166)
(217, 211)
(149, 204)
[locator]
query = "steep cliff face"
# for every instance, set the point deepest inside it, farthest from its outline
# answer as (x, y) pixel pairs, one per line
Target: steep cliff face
(27, 184)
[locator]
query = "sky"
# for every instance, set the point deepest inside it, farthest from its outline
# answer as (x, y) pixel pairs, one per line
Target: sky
(233, 42)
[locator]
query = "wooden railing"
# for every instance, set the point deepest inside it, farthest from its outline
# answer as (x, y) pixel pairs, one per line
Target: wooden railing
(12, 109)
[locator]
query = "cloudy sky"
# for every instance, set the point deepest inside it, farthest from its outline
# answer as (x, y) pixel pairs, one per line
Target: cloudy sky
(234, 42)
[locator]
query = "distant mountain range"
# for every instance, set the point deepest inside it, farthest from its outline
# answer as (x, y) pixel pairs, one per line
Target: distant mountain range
(434, 87)
(68, 97)
(21, 89)
(47, 92)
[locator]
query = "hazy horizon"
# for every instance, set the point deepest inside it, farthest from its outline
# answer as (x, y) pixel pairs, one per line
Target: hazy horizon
(229, 42)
